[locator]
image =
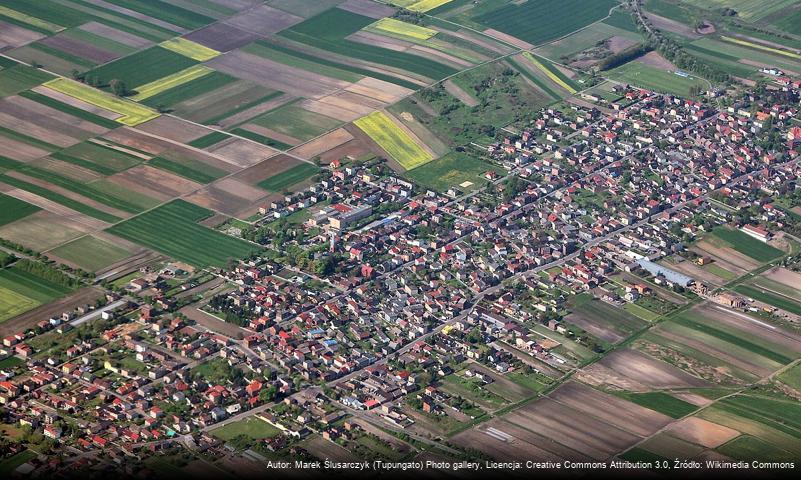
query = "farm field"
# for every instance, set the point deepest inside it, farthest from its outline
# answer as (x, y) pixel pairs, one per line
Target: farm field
(602, 320)
(288, 178)
(21, 291)
(397, 143)
(171, 81)
(296, 123)
(190, 49)
(131, 113)
(750, 10)
(172, 229)
(769, 298)
(455, 170)
(91, 253)
(747, 245)
(20, 77)
(142, 67)
(12, 209)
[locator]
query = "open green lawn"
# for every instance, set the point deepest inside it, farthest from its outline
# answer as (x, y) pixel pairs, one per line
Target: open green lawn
(747, 245)
(252, 428)
(12, 209)
(652, 78)
(662, 402)
(91, 253)
(719, 271)
(452, 170)
(287, 178)
(641, 312)
(172, 229)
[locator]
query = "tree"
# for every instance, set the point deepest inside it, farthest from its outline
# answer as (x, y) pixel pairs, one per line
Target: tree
(119, 88)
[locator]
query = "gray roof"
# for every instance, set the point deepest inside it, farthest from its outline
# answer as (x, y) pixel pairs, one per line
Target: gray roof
(670, 275)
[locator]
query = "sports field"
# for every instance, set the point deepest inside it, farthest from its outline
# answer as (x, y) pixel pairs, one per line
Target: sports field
(172, 229)
(132, 114)
(653, 78)
(190, 49)
(397, 143)
(170, 81)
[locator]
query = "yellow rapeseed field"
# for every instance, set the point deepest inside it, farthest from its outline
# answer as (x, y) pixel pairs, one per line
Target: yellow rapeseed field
(554, 77)
(190, 49)
(390, 25)
(132, 113)
(165, 83)
(396, 142)
(426, 5)
(760, 47)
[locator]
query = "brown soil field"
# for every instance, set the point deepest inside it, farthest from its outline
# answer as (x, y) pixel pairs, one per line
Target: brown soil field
(441, 57)
(702, 432)
(656, 60)
(222, 37)
(500, 441)
(380, 90)
(332, 110)
(321, 448)
(750, 327)
(69, 194)
(693, 398)
(80, 49)
(213, 323)
(116, 35)
(671, 447)
(787, 277)
(730, 256)
(275, 75)
(105, 143)
(153, 182)
(367, 8)
(322, 144)
(703, 248)
(174, 128)
(694, 271)
(603, 332)
(268, 132)
(264, 20)
(68, 170)
(19, 150)
(223, 200)
(618, 44)
(623, 414)
(137, 15)
(134, 262)
(460, 94)
(649, 371)
(39, 121)
(53, 207)
(482, 41)
(267, 169)
(137, 140)
(604, 377)
(239, 188)
(219, 101)
(29, 319)
(242, 153)
(253, 112)
(43, 230)
(572, 428)
(12, 36)
(390, 43)
(508, 39)
(663, 23)
(88, 107)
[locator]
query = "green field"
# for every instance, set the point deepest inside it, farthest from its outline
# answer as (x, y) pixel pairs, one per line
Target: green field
(747, 245)
(61, 199)
(256, 137)
(21, 291)
(12, 209)
(543, 20)
(8, 465)
(172, 229)
(662, 402)
(174, 14)
(641, 312)
(287, 178)
(98, 158)
(653, 78)
(791, 377)
(769, 298)
(91, 253)
(748, 448)
(605, 315)
(750, 10)
(142, 67)
(209, 140)
(297, 122)
(782, 415)
(327, 31)
(20, 77)
(719, 271)
(252, 428)
(452, 170)
(195, 88)
(187, 168)
(292, 58)
(132, 113)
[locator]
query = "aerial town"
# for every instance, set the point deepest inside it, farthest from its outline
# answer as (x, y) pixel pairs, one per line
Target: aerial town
(564, 250)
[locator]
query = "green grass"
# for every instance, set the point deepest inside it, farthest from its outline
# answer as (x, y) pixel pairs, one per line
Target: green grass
(748, 448)
(662, 403)
(719, 271)
(21, 291)
(287, 178)
(60, 199)
(11, 362)
(260, 139)
(327, 31)
(791, 377)
(252, 428)
(242, 107)
(91, 253)
(20, 77)
(142, 67)
(209, 140)
(12, 209)
(297, 122)
(70, 110)
(195, 88)
(621, 19)
(769, 298)
(641, 312)
(172, 229)
(543, 20)
(8, 465)
(452, 170)
(781, 415)
(193, 170)
(653, 78)
(99, 158)
(747, 245)
(174, 14)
